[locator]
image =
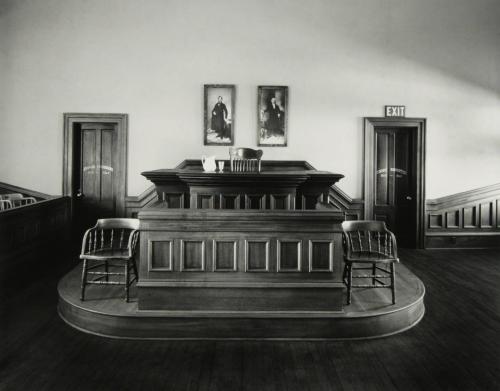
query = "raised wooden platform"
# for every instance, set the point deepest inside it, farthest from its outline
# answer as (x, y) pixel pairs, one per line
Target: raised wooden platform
(105, 313)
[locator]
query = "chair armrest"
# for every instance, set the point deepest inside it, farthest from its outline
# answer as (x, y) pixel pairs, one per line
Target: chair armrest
(390, 243)
(132, 242)
(394, 243)
(347, 245)
(86, 238)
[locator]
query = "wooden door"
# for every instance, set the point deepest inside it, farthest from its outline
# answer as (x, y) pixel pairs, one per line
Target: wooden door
(395, 182)
(95, 180)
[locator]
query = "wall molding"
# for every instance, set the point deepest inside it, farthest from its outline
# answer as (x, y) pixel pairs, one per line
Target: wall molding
(133, 204)
(469, 219)
(7, 188)
(353, 208)
(459, 199)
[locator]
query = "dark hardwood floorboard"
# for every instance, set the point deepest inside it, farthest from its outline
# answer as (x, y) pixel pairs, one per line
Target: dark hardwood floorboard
(456, 346)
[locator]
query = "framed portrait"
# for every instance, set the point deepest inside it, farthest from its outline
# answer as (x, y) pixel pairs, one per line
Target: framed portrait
(219, 114)
(272, 107)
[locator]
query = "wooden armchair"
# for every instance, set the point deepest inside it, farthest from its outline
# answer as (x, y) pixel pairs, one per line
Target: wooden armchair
(5, 204)
(371, 245)
(110, 243)
(17, 199)
(245, 159)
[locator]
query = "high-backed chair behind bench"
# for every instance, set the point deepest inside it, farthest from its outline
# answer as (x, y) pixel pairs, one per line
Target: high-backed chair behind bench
(245, 159)
(374, 247)
(110, 243)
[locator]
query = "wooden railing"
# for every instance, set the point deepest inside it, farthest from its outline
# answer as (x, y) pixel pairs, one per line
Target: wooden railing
(27, 235)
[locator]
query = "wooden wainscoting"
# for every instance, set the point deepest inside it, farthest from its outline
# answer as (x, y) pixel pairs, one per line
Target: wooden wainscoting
(28, 234)
(464, 220)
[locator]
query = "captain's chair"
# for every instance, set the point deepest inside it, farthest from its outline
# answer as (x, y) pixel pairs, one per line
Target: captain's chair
(109, 244)
(369, 245)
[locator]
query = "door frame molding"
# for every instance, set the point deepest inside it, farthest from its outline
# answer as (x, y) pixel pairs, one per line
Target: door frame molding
(419, 126)
(121, 121)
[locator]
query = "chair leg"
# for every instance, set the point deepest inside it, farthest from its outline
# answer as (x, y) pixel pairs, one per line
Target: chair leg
(374, 272)
(393, 283)
(84, 280)
(349, 283)
(127, 280)
(134, 265)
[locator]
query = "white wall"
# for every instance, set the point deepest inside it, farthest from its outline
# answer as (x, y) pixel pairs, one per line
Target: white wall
(342, 60)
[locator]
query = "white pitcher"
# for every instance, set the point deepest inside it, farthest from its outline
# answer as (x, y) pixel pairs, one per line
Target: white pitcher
(208, 163)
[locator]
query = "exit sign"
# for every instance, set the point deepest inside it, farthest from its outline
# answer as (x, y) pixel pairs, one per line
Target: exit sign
(395, 111)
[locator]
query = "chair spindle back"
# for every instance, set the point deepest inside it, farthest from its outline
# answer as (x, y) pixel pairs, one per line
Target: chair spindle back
(113, 234)
(5, 204)
(245, 159)
(369, 236)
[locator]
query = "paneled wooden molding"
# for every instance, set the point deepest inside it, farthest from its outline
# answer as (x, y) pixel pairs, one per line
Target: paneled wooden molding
(351, 207)
(257, 255)
(236, 260)
(225, 255)
(133, 204)
(467, 219)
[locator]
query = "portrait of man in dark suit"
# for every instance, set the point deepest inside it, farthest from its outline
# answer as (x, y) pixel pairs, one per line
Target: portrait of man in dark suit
(219, 114)
(219, 118)
(274, 122)
(272, 109)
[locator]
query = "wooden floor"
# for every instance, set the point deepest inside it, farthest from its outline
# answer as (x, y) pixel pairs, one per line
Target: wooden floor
(456, 346)
(371, 314)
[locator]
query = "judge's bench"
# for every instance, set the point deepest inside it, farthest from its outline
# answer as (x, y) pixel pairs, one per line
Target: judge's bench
(241, 242)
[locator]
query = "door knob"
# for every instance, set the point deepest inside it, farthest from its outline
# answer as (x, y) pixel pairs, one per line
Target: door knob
(408, 198)
(79, 194)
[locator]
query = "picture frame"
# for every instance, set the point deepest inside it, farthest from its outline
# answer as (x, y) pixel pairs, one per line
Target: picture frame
(272, 116)
(218, 114)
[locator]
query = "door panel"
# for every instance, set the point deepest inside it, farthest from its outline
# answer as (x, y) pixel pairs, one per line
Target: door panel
(395, 182)
(384, 142)
(95, 166)
(89, 157)
(107, 194)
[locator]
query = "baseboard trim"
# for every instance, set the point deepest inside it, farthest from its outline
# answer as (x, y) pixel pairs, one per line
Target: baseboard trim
(462, 241)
